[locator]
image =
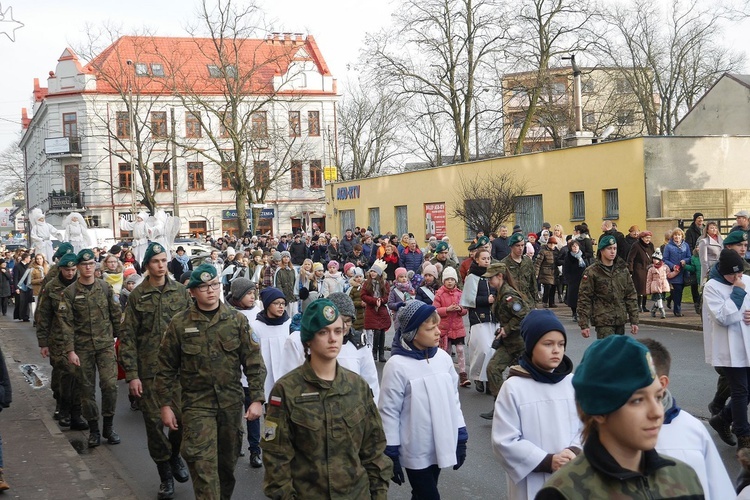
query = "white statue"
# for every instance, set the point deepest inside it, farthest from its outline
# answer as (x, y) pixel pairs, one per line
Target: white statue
(77, 232)
(163, 229)
(140, 234)
(41, 234)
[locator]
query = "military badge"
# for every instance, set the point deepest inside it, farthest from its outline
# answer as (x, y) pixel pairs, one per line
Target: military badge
(329, 313)
(206, 277)
(275, 401)
(88, 256)
(517, 307)
(269, 430)
(255, 338)
(157, 249)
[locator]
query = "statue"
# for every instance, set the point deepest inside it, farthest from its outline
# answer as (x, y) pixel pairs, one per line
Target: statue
(77, 232)
(140, 234)
(41, 234)
(163, 229)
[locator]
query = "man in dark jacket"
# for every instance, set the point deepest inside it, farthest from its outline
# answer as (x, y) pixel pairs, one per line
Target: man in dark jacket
(347, 242)
(692, 235)
(622, 246)
(500, 247)
(298, 250)
(6, 396)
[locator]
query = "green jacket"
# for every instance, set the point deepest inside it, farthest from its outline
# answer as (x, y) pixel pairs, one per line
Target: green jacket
(47, 323)
(324, 439)
(147, 315)
(607, 297)
(204, 355)
(524, 274)
(509, 308)
(89, 317)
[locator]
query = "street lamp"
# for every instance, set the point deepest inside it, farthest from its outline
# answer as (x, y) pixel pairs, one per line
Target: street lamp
(131, 126)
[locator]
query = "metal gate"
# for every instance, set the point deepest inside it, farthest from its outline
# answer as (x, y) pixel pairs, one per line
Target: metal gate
(529, 213)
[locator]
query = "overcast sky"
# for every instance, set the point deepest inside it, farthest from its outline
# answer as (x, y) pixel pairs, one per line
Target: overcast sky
(50, 26)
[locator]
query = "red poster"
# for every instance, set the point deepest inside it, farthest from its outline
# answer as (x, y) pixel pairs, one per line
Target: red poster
(434, 215)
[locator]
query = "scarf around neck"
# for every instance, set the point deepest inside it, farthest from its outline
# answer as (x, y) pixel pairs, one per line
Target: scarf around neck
(263, 318)
(563, 370)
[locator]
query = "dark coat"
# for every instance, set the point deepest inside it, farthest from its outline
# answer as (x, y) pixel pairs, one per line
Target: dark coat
(692, 235)
(622, 246)
(298, 252)
(500, 248)
(6, 283)
(376, 318)
(639, 258)
(545, 263)
(6, 393)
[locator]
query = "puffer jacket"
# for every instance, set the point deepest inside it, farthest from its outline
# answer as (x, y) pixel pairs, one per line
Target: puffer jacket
(451, 322)
(412, 261)
(545, 265)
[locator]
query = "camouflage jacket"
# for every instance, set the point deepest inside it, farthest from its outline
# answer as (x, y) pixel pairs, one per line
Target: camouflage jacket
(52, 273)
(595, 474)
(524, 274)
(448, 263)
(510, 308)
(47, 323)
(607, 297)
(324, 439)
(89, 317)
(147, 315)
(204, 356)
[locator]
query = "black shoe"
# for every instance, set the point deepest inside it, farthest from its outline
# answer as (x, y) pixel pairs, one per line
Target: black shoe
(166, 487)
(135, 405)
(488, 416)
(111, 436)
(679, 314)
(64, 421)
(179, 469)
(697, 308)
(714, 409)
(575, 318)
(56, 415)
(78, 423)
(479, 385)
(255, 461)
(95, 439)
(723, 429)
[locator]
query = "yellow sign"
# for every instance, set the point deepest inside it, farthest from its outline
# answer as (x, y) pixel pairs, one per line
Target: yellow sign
(330, 173)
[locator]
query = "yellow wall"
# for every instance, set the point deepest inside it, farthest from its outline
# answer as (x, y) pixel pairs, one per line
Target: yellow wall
(553, 174)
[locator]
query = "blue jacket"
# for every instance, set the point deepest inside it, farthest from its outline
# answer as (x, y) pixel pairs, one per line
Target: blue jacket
(673, 255)
(412, 261)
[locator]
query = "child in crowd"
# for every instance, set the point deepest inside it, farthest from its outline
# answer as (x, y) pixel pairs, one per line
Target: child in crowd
(401, 293)
(333, 281)
(257, 266)
(426, 292)
(684, 437)
(392, 262)
(619, 401)
(270, 270)
(452, 331)
(657, 283)
(304, 276)
(377, 320)
(271, 325)
(284, 279)
(419, 404)
(355, 292)
(131, 281)
(535, 428)
(316, 282)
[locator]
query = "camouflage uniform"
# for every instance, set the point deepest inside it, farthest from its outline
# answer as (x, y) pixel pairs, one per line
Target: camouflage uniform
(147, 315)
(607, 298)
(89, 322)
(447, 263)
(524, 275)
(202, 355)
(324, 439)
(52, 273)
(509, 309)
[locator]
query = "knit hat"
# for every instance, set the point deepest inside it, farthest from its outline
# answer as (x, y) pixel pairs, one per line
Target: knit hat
(152, 250)
(185, 276)
(657, 255)
(516, 228)
(347, 266)
(606, 241)
(62, 250)
(343, 303)
(482, 241)
(441, 247)
(84, 255)
(115, 249)
(411, 316)
(734, 237)
(257, 253)
(552, 239)
(333, 264)
(276, 255)
(515, 238)
(231, 251)
(431, 270)
(240, 287)
(400, 271)
(495, 269)
(611, 370)
(128, 271)
(379, 266)
(306, 298)
(538, 323)
(531, 235)
(317, 316)
(317, 266)
(202, 274)
(358, 272)
(269, 294)
(450, 273)
(730, 262)
(696, 215)
(643, 234)
(286, 254)
(68, 260)
(133, 278)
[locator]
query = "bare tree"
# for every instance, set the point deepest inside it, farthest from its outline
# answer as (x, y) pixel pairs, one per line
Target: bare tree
(14, 174)
(485, 203)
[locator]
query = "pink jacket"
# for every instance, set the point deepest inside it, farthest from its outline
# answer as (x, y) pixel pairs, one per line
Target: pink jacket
(451, 324)
(656, 279)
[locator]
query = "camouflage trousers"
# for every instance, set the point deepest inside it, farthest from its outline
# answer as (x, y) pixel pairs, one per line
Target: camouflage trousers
(161, 446)
(506, 355)
(104, 362)
(65, 386)
(605, 331)
(211, 444)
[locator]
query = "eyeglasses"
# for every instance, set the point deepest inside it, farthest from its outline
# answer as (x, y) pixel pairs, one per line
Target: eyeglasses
(279, 303)
(206, 287)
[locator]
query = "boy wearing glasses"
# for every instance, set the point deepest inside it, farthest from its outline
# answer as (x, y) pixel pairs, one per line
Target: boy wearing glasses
(201, 353)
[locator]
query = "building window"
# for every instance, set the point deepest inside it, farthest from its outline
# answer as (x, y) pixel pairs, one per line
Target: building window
(622, 86)
(557, 88)
(159, 123)
(517, 121)
(347, 220)
(70, 125)
(577, 205)
(402, 220)
(214, 71)
(589, 118)
(296, 171)
(197, 227)
(294, 130)
(587, 87)
(262, 174)
(193, 124)
(161, 177)
(316, 174)
(124, 176)
(611, 204)
(374, 217)
(259, 125)
(141, 69)
(226, 124)
(313, 123)
(231, 71)
(625, 117)
(228, 171)
(72, 180)
(195, 176)
(157, 69)
(122, 124)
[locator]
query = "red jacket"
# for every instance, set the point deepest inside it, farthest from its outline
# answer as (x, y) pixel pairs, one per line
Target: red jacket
(451, 323)
(376, 318)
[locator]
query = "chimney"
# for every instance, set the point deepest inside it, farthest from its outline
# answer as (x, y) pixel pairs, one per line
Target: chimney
(25, 120)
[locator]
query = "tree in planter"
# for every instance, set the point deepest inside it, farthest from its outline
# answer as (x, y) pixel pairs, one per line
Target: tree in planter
(484, 203)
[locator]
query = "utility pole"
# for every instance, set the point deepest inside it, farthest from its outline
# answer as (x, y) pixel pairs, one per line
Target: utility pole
(131, 126)
(176, 208)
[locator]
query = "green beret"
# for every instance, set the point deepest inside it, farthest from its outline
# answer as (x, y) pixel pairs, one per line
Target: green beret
(67, 260)
(495, 269)
(606, 241)
(153, 249)
(441, 247)
(482, 241)
(62, 250)
(317, 316)
(736, 236)
(201, 274)
(611, 370)
(515, 238)
(84, 255)
(472, 247)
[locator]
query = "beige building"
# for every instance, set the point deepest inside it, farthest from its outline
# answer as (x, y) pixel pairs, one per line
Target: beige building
(723, 110)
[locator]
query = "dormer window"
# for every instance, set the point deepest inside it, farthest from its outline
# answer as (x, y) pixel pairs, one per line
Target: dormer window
(141, 69)
(157, 69)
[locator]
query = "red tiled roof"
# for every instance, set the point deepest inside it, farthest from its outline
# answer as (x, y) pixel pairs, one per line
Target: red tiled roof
(185, 62)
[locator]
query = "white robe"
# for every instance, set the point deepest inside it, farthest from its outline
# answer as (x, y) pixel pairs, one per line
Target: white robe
(250, 314)
(726, 338)
(272, 340)
(420, 409)
(686, 439)
(532, 420)
(140, 237)
(41, 239)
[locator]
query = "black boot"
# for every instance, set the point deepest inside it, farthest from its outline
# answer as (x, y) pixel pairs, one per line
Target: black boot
(381, 347)
(109, 433)
(375, 342)
(64, 420)
(179, 469)
(95, 438)
(166, 487)
(78, 423)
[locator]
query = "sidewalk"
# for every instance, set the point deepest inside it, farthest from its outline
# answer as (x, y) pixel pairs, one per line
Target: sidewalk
(690, 320)
(40, 461)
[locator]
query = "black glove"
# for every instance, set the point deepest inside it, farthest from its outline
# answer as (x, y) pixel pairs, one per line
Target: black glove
(463, 438)
(398, 472)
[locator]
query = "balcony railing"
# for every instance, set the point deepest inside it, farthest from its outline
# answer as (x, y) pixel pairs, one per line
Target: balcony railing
(64, 202)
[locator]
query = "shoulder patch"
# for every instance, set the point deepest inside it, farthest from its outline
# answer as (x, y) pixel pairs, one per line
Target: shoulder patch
(509, 298)
(517, 307)
(254, 337)
(269, 430)
(585, 276)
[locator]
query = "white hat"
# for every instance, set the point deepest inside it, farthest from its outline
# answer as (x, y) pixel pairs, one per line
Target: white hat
(450, 272)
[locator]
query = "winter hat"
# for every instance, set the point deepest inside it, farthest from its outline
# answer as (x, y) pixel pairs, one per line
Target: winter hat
(257, 253)
(347, 266)
(538, 323)
(201, 274)
(152, 250)
(333, 264)
(552, 240)
(358, 272)
(240, 287)
(379, 266)
(450, 273)
(606, 241)
(276, 256)
(643, 234)
(515, 238)
(441, 247)
(185, 276)
(546, 225)
(133, 278)
(84, 255)
(317, 316)
(285, 254)
(306, 298)
(531, 235)
(62, 250)
(317, 266)
(411, 316)
(343, 303)
(696, 215)
(516, 228)
(269, 294)
(730, 262)
(129, 271)
(611, 370)
(431, 270)
(115, 249)
(734, 237)
(231, 251)
(400, 271)
(657, 255)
